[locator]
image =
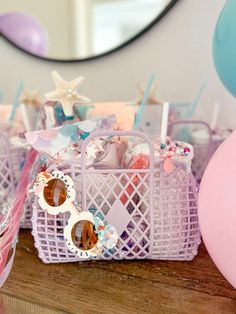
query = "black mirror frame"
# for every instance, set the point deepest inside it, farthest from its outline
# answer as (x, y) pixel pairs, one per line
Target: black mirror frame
(132, 39)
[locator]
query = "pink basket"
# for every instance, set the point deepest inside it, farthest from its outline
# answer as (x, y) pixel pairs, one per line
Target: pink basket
(158, 220)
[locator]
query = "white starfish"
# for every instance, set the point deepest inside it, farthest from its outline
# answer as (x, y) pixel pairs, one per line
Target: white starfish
(66, 93)
(152, 100)
(91, 151)
(31, 98)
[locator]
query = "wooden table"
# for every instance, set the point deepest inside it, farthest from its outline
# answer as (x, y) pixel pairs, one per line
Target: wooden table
(114, 287)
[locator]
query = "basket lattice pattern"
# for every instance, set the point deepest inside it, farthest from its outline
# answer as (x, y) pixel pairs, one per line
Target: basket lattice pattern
(202, 156)
(202, 152)
(6, 170)
(7, 218)
(176, 230)
(155, 213)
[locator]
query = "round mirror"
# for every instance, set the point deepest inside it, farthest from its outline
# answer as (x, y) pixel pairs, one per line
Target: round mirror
(77, 29)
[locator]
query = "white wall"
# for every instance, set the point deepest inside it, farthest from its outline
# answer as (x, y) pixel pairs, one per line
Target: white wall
(177, 49)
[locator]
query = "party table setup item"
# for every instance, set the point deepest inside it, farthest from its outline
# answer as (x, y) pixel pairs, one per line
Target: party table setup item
(204, 137)
(16, 119)
(14, 122)
(97, 190)
(107, 193)
(62, 107)
(217, 196)
(18, 163)
(14, 154)
(10, 210)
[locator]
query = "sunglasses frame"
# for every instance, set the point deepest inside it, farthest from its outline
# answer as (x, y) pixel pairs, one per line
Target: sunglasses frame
(76, 213)
(73, 220)
(67, 205)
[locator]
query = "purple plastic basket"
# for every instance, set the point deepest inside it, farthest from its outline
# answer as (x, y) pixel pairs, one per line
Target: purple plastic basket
(202, 152)
(7, 189)
(12, 157)
(158, 220)
(12, 160)
(26, 222)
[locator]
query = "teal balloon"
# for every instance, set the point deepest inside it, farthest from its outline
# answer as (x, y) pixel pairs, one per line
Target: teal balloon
(224, 46)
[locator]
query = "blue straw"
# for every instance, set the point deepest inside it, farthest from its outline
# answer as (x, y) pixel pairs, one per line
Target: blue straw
(143, 103)
(15, 103)
(196, 101)
(185, 132)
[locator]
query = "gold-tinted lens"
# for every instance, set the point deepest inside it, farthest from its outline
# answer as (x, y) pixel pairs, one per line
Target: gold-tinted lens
(84, 235)
(55, 192)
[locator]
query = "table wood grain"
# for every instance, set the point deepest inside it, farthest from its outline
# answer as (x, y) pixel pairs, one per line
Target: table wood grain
(114, 287)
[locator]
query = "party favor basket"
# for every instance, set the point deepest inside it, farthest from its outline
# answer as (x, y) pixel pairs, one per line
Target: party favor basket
(154, 211)
(10, 211)
(204, 148)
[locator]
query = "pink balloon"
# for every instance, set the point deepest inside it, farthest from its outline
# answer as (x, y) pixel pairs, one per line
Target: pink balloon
(24, 31)
(217, 208)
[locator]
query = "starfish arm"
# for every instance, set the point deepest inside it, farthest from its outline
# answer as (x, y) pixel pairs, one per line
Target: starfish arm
(76, 82)
(81, 99)
(54, 95)
(58, 80)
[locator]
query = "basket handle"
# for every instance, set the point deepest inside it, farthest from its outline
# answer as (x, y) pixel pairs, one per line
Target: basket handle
(115, 133)
(185, 122)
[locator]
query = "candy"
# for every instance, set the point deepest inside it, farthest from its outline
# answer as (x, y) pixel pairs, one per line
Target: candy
(140, 161)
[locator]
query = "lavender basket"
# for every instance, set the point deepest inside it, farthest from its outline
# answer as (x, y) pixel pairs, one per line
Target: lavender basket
(12, 160)
(202, 151)
(156, 219)
(8, 221)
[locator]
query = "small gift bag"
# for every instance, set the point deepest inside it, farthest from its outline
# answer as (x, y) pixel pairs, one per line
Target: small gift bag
(122, 197)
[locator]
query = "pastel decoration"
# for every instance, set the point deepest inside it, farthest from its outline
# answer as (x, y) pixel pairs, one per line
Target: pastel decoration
(50, 135)
(66, 93)
(31, 99)
(140, 111)
(179, 152)
(196, 101)
(88, 125)
(50, 116)
(15, 104)
(24, 31)
(217, 208)
(140, 161)
(68, 129)
(110, 236)
(224, 46)
(26, 118)
(18, 125)
(168, 165)
(52, 141)
(124, 114)
(152, 100)
(81, 111)
(215, 116)
(185, 134)
(164, 121)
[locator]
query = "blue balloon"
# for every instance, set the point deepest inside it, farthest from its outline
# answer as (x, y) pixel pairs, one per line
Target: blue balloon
(224, 46)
